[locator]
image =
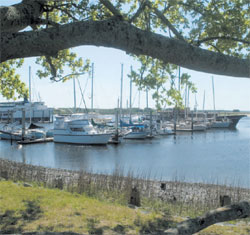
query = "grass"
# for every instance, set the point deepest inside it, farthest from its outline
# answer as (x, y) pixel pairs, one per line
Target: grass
(29, 209)
(39, 209)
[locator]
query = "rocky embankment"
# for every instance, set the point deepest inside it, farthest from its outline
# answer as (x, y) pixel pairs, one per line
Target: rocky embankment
(80, 181)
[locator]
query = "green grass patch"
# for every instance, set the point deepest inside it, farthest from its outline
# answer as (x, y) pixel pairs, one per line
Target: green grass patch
(30, 209)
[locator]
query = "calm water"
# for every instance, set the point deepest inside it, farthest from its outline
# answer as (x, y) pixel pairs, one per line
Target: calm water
(215, 155)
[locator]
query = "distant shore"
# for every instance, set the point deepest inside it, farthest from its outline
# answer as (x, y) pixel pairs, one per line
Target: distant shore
(135, 111)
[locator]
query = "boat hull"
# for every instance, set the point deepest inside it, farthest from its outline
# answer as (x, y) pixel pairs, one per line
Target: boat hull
(6, 136)
(93, 139)
(165, 131)
(30, 134)
(136, 135)
(220, 125)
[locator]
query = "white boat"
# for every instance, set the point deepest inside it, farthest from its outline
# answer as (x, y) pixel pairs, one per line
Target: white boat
(17, 134)
(10, 135)
(35, 134)
(165, 131)
(50, 133)
(199, 127)
(164, 128)
(79, 131)
(187, 127)
(136, 133)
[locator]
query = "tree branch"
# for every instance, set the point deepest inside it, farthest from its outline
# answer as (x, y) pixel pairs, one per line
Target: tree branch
(198, 42)
(66, 12)
(18, 16)
(192, 7)
(45, 22)
(124, 36)
(166, 22)
(215, 47)
(52, 67)
(236, 211)
(111, 8)
(139, 11)
(58, 79)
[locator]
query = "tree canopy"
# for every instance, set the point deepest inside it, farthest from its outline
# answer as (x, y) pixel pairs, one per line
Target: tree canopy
(210, 36)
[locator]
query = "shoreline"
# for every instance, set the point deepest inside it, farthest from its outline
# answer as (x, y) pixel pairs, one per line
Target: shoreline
(166, 191)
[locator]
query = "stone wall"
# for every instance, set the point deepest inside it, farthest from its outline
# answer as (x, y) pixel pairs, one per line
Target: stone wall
(79, 181)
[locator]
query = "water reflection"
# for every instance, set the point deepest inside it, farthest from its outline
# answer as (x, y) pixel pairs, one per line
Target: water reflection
(77, 157)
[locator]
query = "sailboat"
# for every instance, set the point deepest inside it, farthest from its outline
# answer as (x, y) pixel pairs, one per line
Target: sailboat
(136, 131)
(219, 122)
(15, 131)
(164, 129)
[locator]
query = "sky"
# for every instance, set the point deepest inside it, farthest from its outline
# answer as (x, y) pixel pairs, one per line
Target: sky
(230, 92)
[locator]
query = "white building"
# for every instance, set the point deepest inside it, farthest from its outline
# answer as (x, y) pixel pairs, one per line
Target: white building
(34, 111)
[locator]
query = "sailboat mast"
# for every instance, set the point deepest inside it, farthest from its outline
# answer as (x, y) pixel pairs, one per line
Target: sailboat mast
(157, 99)
(213, 92)
(30, 83)
(139, 100)
(92, 88)
(121, 90)
(147, 97)
(130, 97)
(82, 95)
(204, 101)
(186, 102)
(74, 90)
(118, 115)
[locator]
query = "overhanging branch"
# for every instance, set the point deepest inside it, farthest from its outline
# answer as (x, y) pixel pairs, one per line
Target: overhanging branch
(124, 36)
(138, 12)
(111, 8)
(166, 21)
(18, 16)
(198, 42)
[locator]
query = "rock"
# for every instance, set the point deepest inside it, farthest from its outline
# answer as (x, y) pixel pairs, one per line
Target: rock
(163, 186)
(135, 197)
(225, 200)
(58, 183)
(4, 174)
(27, 185)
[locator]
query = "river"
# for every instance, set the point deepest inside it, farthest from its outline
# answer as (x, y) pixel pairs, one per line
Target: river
(214, 156)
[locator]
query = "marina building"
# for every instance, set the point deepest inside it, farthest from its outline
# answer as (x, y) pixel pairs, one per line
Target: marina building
(34, 111)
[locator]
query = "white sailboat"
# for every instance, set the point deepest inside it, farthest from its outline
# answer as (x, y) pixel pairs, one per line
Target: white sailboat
(136, 132)
(15, 132)
(222, 123)
(164, 129)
